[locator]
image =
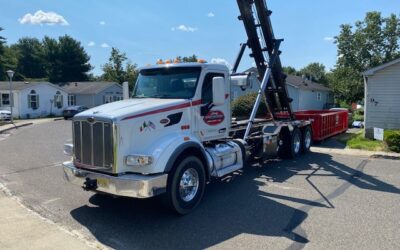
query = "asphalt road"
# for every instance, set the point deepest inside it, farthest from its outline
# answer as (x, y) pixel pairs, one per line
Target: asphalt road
(318, 201)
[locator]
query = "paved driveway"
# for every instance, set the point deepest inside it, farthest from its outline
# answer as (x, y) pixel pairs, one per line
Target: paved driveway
(317, 201)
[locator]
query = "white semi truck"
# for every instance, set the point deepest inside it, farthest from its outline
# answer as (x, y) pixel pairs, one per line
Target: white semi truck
(176, 133)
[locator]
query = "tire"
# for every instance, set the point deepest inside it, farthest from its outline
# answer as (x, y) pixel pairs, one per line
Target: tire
(291, 144)
(177, 198)
(295, 143)
(306, 139)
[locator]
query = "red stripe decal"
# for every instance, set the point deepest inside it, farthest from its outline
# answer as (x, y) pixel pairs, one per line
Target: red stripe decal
(179, 106)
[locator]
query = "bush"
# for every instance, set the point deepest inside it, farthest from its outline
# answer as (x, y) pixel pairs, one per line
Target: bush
(243, 105)
(392, 139)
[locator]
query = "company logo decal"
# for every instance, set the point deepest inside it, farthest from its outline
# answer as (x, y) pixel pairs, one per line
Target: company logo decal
(164, 121)
(171, 119)
(147, 126)
(214, 118)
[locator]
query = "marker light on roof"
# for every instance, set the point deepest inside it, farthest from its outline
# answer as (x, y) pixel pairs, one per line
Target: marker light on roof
(160, 61)
(201, 61)
(177, 60)
(168, 61)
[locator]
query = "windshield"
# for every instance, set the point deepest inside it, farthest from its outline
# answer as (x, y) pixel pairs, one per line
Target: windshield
(169, 83)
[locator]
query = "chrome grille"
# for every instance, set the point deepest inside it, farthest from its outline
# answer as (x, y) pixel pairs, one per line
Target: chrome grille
(93, 144)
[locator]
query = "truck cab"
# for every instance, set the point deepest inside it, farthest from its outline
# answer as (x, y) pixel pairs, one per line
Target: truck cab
(129, 148)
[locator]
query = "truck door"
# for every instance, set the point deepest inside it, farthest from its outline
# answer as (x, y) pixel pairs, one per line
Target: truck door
(215, 123)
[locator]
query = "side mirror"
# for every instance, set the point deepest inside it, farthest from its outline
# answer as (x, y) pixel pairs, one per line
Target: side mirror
(241, 80)
(218, 86)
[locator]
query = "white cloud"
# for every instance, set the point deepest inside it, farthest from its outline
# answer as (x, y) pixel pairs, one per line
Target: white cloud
(104, 45)
(41, 17)
(102, 23)
(211, 14)
(184, 28)
(221, 61)
(329, 39)
(91, 44)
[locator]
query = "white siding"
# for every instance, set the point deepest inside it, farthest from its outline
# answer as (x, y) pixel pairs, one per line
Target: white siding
(308, 99)
(383, 99)
(46, 93)
(293, 93)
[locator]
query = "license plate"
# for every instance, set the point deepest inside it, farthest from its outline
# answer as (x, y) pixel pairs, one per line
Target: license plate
(101, 182)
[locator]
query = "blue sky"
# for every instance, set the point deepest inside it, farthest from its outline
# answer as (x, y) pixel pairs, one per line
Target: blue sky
(148, 30)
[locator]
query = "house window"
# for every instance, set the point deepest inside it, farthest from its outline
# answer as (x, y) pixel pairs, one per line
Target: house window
(318, 96)
(5, 99)
(71, 100)
(33, 100)
(58, 100)
(117, 98)
(107, 98)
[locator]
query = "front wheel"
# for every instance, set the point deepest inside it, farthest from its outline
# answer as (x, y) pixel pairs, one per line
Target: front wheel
(186, 185)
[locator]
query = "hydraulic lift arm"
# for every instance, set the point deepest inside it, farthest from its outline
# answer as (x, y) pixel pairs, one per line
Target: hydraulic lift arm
(265, 51)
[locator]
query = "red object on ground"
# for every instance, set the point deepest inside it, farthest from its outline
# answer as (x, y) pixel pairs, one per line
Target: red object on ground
(325, 123)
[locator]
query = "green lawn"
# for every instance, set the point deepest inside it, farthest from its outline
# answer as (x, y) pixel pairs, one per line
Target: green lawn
(358, 141)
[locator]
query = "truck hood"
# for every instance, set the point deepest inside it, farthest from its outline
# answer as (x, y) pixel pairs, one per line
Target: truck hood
(131, 107)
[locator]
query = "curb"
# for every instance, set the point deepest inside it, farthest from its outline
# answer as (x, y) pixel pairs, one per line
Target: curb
(357, 152)
(15, 127)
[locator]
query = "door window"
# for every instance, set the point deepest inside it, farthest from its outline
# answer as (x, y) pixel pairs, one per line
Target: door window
(206, 91)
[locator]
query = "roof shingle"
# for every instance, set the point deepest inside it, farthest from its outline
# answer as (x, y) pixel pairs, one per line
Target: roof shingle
(86, 88)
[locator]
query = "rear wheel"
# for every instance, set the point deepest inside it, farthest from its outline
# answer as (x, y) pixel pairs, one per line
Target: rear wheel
(306, 140)
(295, 143)
(289, 143)
(186, 185)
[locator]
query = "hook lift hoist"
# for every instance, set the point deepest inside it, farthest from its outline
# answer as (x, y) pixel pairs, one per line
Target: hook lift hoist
(177, 132)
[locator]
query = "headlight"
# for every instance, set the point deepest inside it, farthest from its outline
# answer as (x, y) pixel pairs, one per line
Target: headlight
(138, 160)
(68, 149)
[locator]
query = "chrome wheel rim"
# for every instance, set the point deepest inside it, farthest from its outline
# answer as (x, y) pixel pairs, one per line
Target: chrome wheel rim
(296, 142)
(189, 184)
(307, 139)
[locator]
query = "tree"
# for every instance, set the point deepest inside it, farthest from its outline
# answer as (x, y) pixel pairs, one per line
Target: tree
(192, 58)
(115, 70)
(371, 42)
(2, 59)
(315, 72)
(31, 62)
(289, 70)
(66, 60)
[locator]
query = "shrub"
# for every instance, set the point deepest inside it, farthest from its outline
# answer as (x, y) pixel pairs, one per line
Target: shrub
(243, 105)
(392, 139)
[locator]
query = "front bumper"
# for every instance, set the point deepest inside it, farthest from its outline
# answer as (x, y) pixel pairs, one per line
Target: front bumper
(128, 185)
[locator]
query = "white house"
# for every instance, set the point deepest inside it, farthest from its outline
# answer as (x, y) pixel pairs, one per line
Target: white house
(92, 94)
(382, 97)
(33, 99)
(306, 94)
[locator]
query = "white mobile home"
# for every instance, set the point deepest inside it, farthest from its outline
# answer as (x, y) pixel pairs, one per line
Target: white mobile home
(33, 99)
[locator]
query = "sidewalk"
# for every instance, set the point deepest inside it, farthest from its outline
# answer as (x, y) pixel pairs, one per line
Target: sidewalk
(22, 123)
(21, 228)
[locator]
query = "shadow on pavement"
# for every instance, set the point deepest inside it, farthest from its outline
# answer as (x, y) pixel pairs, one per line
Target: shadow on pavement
(230, 207)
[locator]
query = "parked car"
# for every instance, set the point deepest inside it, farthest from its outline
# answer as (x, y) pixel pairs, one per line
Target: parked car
(5, 115)
(69, 112)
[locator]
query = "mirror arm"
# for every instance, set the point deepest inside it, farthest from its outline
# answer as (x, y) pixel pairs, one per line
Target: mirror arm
(206, 108)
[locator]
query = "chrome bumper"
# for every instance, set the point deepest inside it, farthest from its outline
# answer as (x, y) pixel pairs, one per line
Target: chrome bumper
(128, 185)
